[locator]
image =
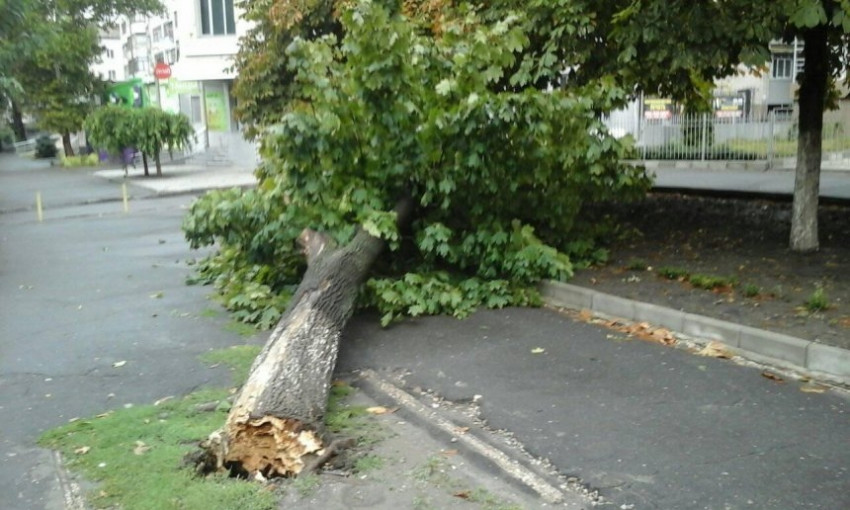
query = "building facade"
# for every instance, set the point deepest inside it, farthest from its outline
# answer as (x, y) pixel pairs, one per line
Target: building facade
(197, 40)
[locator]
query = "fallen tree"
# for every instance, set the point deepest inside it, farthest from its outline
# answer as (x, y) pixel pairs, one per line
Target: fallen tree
(275, 426)
(496, 178)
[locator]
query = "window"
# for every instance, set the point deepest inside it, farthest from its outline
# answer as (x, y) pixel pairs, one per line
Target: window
(112, 75)
(217, 17)
(782, 67)
(168, 30)
(157, 34)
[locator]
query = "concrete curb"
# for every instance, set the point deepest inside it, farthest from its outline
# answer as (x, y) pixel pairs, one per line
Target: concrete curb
(510, 466)
(764, 346)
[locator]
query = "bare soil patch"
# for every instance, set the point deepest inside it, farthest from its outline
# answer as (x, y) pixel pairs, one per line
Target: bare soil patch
(729, 259)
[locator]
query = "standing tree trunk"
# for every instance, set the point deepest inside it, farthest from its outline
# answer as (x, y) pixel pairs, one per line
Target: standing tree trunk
(275, 426)
(813, 89)
(158, 165)
(66, 145)
(145, 163)
(18, 123)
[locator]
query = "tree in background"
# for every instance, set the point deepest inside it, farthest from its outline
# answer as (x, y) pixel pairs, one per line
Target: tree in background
(115, 128)
(49, 54)
(673, 47)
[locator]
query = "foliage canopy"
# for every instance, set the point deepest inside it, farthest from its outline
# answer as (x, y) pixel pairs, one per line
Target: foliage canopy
(388, 110)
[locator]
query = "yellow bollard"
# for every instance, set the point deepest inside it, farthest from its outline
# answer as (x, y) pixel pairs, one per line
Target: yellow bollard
(39, 211)
(124, 198)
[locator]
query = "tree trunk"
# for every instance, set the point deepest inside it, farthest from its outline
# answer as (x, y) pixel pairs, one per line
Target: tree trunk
(18, 123)
(275, 426)
(145, 163)
(66, 145)
(158, 165)
(813, 89)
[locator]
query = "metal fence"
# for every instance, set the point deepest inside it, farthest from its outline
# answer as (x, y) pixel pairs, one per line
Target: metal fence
(706, 137)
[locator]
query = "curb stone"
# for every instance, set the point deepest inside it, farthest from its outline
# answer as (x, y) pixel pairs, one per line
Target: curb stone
(505, 462)
(760, 345)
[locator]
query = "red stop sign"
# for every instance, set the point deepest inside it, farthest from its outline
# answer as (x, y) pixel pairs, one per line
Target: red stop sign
(162, 71)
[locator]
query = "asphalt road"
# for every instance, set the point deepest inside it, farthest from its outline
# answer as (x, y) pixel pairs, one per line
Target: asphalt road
(651, 427)
(86, 289)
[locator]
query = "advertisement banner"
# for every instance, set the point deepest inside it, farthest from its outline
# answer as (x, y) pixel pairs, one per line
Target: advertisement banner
(658, 108)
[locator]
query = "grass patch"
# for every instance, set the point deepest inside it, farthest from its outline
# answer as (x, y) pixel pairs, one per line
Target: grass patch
(751, 290)
(636, 265)
(673, 273)
(710, 282)
(240, 328)
(210, 313)
(489, 501)
(306, 485)
(368, 463)
(817, 301)
(134, 455)
(239, 358)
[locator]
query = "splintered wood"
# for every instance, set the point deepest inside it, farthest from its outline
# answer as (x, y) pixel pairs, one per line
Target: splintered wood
(271, 446)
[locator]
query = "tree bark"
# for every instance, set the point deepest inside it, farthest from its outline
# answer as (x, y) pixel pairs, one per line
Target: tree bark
(813, 90)
(18, 123)
(275, 427)
(158, 165)
(145, 163)
(66, 145)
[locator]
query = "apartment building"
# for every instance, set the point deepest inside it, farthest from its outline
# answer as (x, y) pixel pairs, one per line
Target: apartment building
(196, 40)
(110, 66)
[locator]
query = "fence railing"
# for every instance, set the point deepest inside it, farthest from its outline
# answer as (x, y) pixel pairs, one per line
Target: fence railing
(707, 137)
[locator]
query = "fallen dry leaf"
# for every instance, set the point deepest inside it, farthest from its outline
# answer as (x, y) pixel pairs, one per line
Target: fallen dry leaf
(103, 415)
(461, 494)
(141, 448)
(381, 410)
(339, 384)
(538, 350)
(813, 388)
(163, 400)
(448, 453)
(462, 430)
(715, 350)
(773, 377)
(82, 450)
(119, 364)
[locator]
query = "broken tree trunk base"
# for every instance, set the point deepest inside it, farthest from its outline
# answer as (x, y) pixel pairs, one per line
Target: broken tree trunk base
(275, 427)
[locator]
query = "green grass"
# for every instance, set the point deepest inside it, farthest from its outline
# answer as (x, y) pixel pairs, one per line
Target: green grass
(711, 282)
(239, 358)
(240, 328)
(784, 148)
(368, 463)
(817, 301)
(134, 455)
(673, 273)
(751, 290)
(636, 265)
(146, 475)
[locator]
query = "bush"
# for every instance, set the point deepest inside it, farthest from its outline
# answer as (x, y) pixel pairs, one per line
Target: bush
(45, 147)
(81, 160)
